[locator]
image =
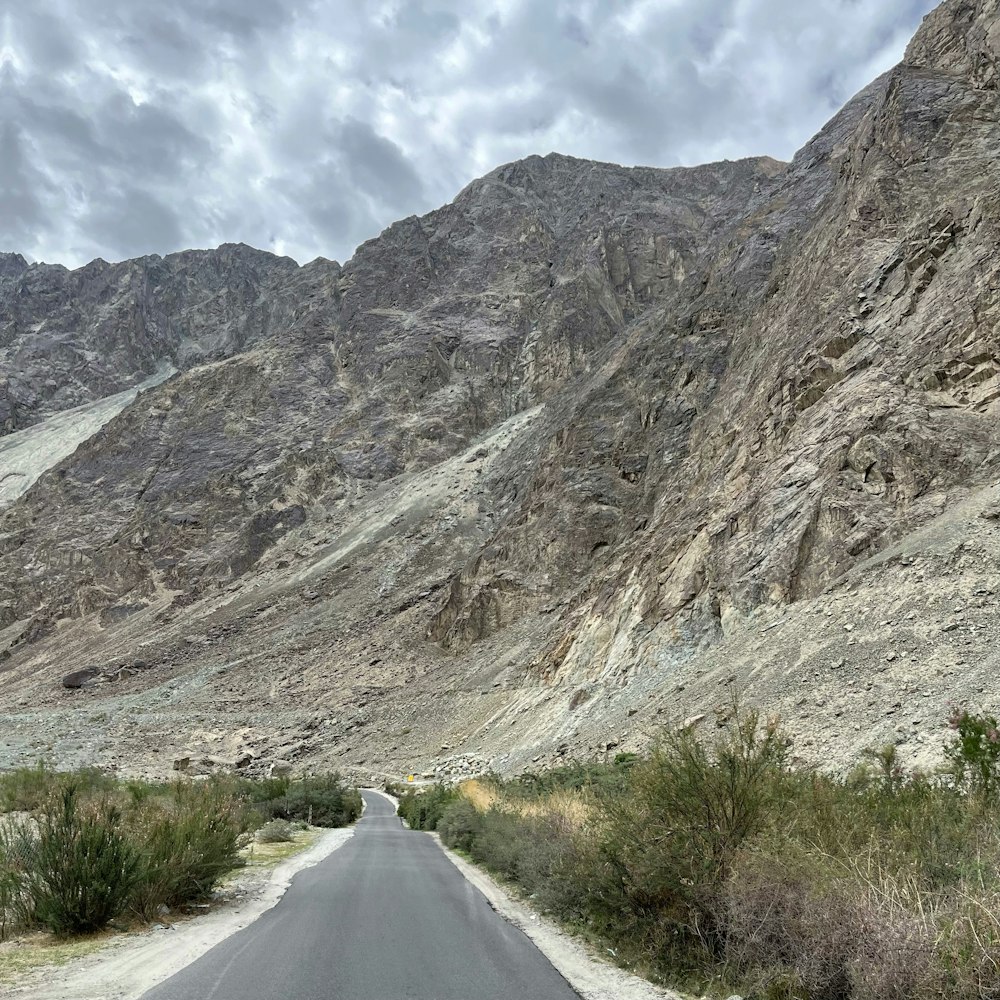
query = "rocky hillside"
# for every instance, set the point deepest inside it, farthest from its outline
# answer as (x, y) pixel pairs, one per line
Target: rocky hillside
(72, 337)
(584, 451)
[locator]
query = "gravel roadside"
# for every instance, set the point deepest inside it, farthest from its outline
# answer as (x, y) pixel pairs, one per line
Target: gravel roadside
(592, 978)
(131, 964)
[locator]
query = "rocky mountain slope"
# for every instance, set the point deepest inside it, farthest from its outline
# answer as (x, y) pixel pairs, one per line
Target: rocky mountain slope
(586, 450)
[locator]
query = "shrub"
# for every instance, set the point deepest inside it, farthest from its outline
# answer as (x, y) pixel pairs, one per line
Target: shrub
(79, 870)
(500, 843)
(712, 862)
(422, 809)
(323, 800)
(576, 776)
(12, 908)
(975, 751)
(138, 791)
(26, 789)
(537, 852)
(257, 792)
(8, 903)
(785, 919)
(96, 846)
(459, 824)
(277, 831)
(690, 807)
(188, 843)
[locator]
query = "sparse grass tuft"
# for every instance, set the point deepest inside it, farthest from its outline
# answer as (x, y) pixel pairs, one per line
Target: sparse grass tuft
(40, 950)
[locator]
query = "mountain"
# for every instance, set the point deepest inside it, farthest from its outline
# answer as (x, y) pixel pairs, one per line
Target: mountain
(587, 450)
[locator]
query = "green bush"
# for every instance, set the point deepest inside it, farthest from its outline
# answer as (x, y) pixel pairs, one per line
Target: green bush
(26, 789)
(188, 842)
(499, 845)
(459, 824)
(539, 853)
(711, 863)
(577, 776)
(258, 792)
(165, 844)
(323, 800)
(277, 831)
(423, 808)
(689, 808)
(975, 751)
(79, 870)
(12, 902)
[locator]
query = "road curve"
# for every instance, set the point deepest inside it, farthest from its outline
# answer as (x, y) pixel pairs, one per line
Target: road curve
(385, 917)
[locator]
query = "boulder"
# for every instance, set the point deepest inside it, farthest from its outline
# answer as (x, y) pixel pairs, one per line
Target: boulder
(81, 678)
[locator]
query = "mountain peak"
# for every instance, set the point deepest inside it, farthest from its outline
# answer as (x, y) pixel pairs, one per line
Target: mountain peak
(12, 265)
(575, 449)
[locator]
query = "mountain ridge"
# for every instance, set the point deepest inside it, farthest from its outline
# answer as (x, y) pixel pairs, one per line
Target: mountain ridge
(580, 451)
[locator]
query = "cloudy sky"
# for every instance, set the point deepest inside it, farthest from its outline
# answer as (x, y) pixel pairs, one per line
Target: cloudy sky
(307, 126)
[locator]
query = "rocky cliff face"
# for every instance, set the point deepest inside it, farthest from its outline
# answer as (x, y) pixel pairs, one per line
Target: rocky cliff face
(588, 448)
(70, 337)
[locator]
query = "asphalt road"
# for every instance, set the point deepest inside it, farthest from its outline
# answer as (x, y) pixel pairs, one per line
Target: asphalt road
(385, 917)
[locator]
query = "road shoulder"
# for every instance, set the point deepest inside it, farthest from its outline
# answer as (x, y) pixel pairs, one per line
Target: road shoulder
(131, 964)
(591, 978)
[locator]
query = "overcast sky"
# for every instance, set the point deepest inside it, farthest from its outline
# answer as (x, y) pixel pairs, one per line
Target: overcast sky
(307, 126)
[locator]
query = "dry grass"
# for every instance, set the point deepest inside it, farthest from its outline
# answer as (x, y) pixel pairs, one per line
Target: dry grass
(572, 808)
(37, 951)
(832, 928)
(259, 855)
(481, 794)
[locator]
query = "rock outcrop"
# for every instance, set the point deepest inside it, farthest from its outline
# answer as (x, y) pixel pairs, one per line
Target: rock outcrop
(588, 447)
(72, 337)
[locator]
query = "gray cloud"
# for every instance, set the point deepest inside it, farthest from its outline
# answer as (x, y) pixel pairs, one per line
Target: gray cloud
(307, 126)
(20, 187)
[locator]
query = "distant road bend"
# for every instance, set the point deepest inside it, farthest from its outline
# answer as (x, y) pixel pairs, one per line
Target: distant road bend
(385, 917)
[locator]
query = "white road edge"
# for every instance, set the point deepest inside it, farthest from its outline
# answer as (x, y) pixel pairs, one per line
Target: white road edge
(592, 978)
(133, 964)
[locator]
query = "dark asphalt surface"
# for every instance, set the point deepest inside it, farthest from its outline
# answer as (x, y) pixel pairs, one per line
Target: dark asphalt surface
(385, 917)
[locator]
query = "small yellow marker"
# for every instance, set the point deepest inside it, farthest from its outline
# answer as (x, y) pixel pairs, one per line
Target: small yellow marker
(409, 777)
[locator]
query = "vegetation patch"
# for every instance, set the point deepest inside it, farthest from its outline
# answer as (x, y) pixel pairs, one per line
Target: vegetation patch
(713, 864)
(267, 854)
(276, 831)
(322, 800)
(38, 950)
(80, 851)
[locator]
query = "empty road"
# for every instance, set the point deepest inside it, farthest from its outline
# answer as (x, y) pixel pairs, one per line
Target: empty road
(385, 917)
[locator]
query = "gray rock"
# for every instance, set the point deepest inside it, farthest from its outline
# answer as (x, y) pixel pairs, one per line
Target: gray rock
(81, 678)
(687, 394)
